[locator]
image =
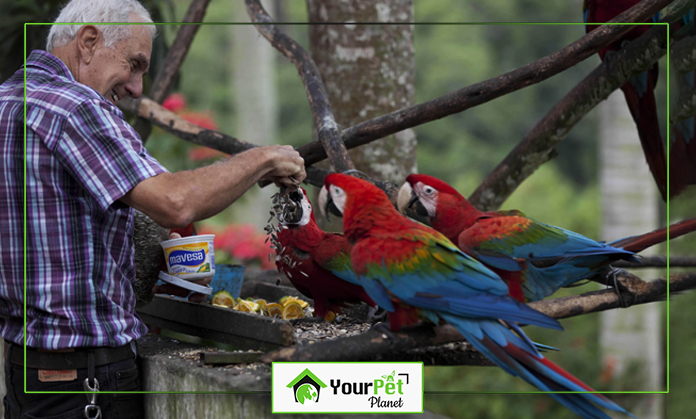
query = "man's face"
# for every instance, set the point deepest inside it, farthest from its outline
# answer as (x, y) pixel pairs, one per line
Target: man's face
(118, 72)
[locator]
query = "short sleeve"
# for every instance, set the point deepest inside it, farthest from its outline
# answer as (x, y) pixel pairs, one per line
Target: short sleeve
(104, 153)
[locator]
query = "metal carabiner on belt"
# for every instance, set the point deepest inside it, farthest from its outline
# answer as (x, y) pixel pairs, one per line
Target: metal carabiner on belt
(92, 410)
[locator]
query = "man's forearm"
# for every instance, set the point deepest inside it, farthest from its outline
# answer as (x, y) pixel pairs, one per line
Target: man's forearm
(176, 199)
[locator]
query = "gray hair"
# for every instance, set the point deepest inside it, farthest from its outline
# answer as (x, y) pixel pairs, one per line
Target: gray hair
(95, 11)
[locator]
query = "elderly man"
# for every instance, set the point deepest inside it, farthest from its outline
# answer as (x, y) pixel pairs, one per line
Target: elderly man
(86, 171)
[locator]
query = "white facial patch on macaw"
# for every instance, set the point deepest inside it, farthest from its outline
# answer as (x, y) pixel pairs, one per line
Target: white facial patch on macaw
(306, 210)
(404, 196)
(338, 196)
(323, 196)
(428, 197)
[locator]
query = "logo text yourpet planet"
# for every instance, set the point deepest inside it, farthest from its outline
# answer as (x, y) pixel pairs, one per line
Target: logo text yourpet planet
(382, 393)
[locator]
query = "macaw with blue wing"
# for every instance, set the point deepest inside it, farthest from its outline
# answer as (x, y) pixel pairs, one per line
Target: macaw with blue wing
(639, 90)
(316, 262)
(533, 258)
(415, 272)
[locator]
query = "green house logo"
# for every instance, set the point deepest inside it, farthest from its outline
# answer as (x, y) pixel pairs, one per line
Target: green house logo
(306, 387)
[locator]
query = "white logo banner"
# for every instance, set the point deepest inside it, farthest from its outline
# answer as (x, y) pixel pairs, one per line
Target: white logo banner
(347, 387)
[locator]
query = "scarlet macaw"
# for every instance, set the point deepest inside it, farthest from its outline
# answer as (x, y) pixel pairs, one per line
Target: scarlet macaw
(639, 89)
(413, 271)
(316, 262)
(533, 258)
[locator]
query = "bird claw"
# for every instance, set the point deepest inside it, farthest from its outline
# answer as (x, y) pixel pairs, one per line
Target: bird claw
(612, 277)
(373, 317)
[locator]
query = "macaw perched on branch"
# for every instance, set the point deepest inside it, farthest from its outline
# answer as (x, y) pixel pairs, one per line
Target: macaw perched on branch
(316, 262)
(412, 270)
(638, 90)
(534, 259)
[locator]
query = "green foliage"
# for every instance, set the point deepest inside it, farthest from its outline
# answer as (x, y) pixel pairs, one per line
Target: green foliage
(450, 57)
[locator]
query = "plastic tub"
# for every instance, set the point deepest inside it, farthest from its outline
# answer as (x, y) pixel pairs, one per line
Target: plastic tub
(190, 257)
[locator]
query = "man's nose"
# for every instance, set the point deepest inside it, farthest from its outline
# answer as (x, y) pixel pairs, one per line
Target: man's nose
(134, 87)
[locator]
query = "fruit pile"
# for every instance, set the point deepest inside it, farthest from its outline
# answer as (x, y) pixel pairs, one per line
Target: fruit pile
(287, 308)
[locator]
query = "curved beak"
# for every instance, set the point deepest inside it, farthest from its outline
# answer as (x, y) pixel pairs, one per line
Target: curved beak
(326, 205)
(293, 211)
(324, 202)
(407, 198)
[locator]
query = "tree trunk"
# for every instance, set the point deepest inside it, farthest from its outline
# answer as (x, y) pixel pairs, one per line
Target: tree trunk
(368, 70)
(254, 103)
(631, 341)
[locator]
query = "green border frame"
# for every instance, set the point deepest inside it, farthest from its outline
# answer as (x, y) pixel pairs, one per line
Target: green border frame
(357, 23)
(353, 363)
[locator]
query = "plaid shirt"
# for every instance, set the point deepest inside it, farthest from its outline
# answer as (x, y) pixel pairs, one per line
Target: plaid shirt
(81, 158)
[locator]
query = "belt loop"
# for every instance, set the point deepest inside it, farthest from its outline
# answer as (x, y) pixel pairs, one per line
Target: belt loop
(90, 365)
(134, 347)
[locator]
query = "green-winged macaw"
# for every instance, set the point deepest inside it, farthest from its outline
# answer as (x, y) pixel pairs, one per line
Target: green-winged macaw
(316, 262)
(415, 272)
(533, 258)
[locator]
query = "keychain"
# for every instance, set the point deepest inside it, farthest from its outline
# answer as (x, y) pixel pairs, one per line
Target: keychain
(92, 411)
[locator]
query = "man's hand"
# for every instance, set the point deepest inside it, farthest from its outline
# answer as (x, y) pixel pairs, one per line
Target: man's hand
(171, 289)
(177, 199)
(287, 165)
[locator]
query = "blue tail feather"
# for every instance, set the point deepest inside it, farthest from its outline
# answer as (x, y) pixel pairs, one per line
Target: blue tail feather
(519, 357)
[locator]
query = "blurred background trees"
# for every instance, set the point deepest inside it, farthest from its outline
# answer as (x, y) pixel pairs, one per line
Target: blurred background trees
(461, 149)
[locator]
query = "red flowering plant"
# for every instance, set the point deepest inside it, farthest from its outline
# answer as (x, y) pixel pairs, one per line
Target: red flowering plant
(176, 102)
(241, 244)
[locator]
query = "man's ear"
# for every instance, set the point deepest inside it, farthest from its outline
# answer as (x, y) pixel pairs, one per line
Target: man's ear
(88, 38)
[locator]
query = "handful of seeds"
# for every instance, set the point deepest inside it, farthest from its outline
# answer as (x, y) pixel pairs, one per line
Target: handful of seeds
(286, 208)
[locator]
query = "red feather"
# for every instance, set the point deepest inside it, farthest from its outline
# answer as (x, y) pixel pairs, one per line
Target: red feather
(644, 112)
(642, 107)
(308, 247)
(403, 316)
(639, 243)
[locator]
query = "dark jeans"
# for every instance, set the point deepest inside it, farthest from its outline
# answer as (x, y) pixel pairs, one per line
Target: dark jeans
(118, 376)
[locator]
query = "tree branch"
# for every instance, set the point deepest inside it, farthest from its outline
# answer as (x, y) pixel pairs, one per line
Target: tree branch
(685, 107)
(373, 343)
(154, 113)
(682, 55)
(487, 90)
(324, 121)
(467, 97)
(657, 262)
(634, 292)
(538, 146)
(172, 62)
(177, 53)
(446, 105)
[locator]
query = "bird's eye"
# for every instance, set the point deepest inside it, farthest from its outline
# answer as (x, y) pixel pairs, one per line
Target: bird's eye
(429, 190)
(336, 191)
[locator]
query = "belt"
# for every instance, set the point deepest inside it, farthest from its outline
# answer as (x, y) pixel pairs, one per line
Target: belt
(67, 360)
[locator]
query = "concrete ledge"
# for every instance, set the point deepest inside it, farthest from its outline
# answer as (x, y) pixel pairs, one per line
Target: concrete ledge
(169, 365)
